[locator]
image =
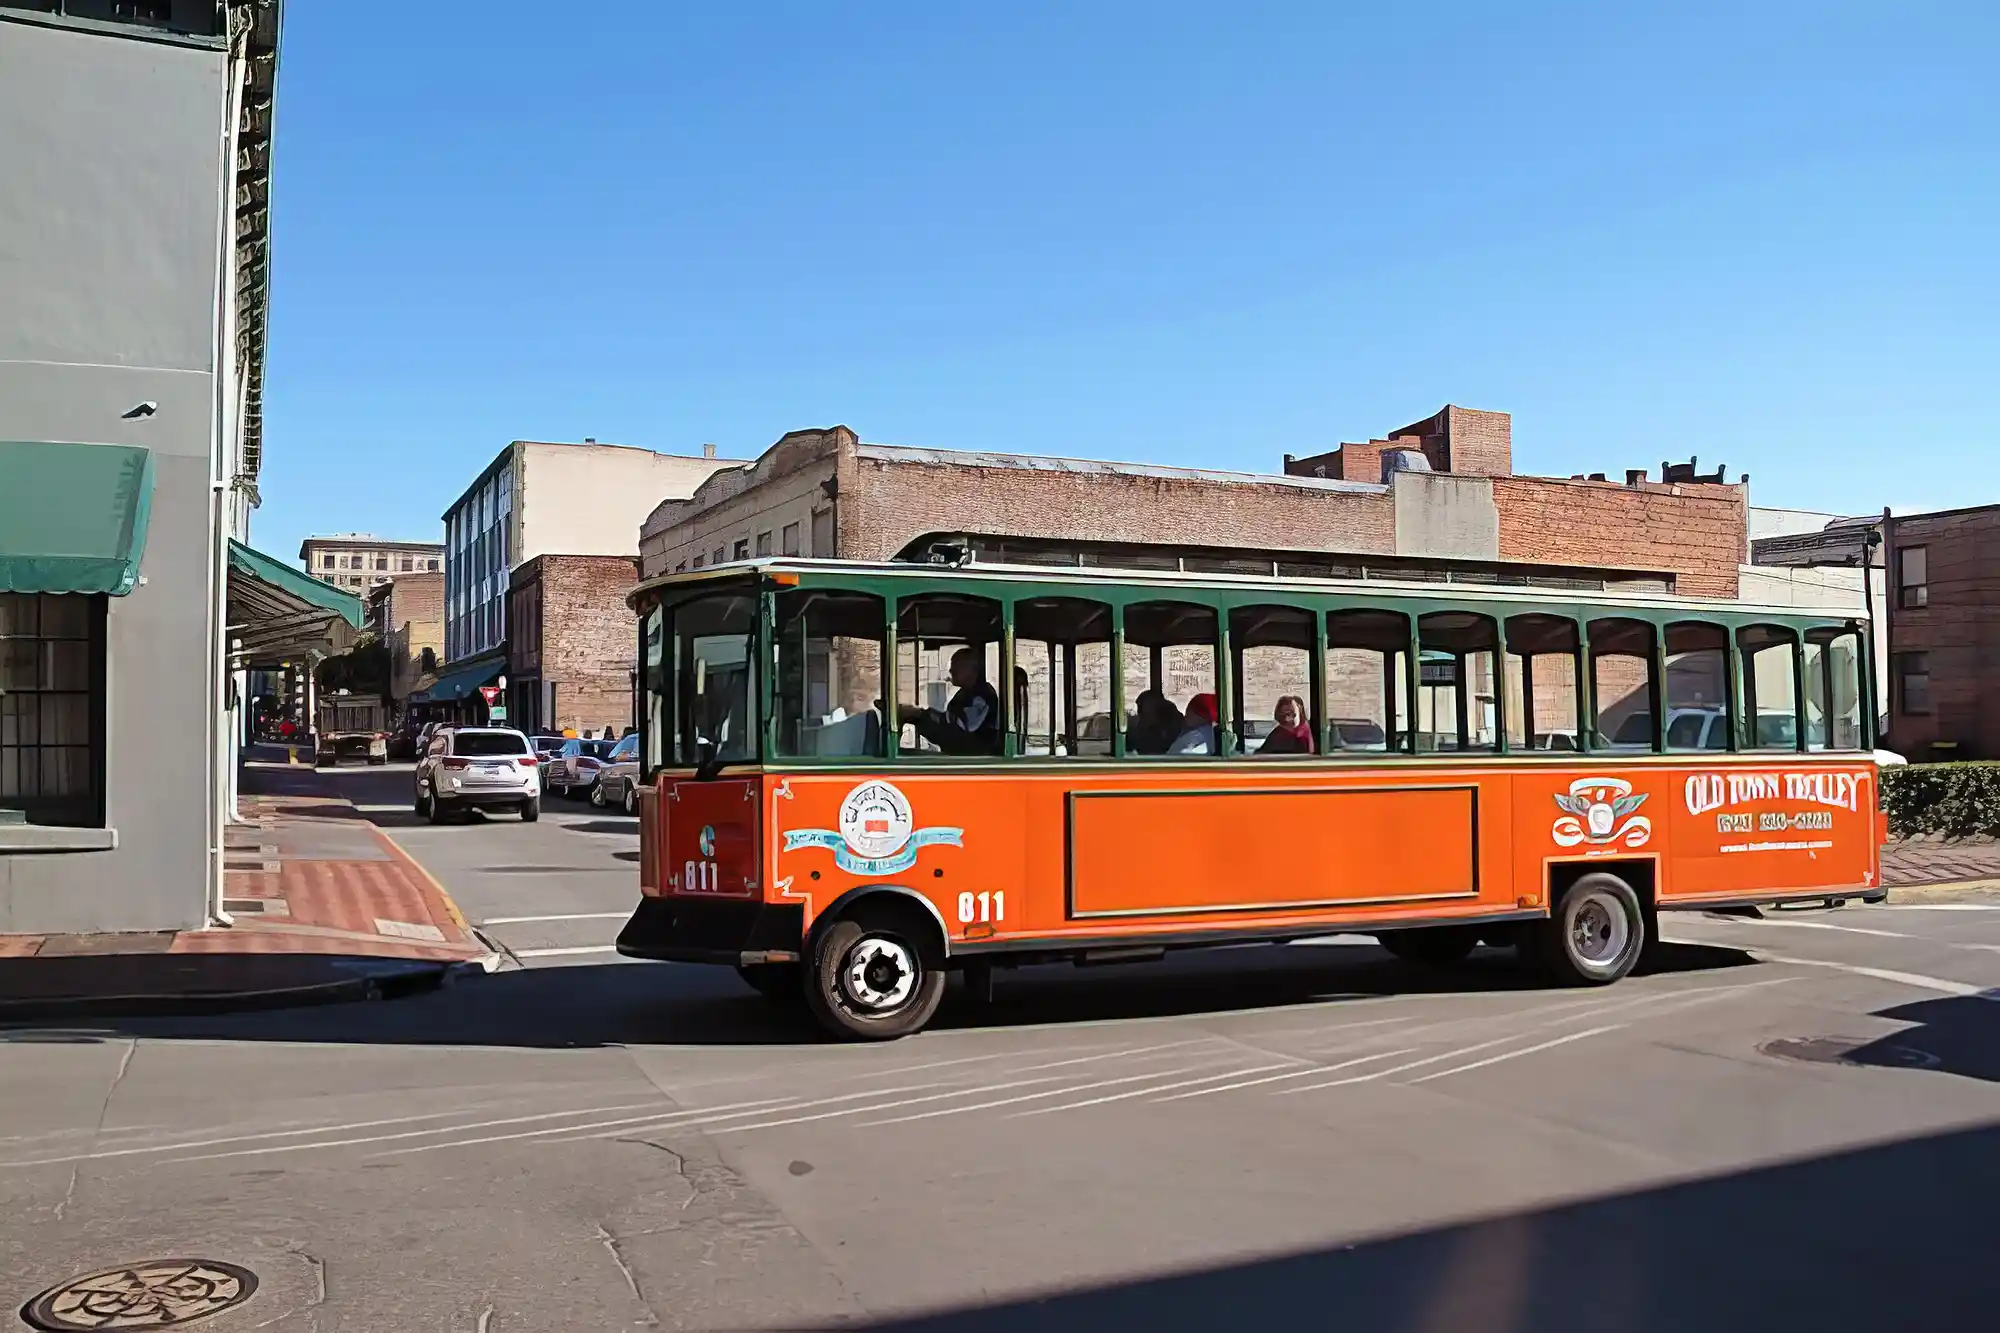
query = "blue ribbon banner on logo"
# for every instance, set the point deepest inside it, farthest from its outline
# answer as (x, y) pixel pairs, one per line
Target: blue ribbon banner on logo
(881, 865)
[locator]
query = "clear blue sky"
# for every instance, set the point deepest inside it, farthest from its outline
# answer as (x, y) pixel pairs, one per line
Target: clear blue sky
(1763, 234)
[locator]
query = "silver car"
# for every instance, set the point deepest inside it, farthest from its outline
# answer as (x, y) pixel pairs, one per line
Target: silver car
(487, 768)
(618, 780)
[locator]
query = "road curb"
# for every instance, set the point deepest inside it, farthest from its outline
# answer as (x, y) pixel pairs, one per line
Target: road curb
(415, 978)
(1944, 888)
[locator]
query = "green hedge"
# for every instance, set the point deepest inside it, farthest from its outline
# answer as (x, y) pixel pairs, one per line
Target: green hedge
(1955, 800)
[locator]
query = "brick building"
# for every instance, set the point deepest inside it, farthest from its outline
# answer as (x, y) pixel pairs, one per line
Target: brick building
(571, 643)
(408, 613)
(1943, 618)
(1436, 500)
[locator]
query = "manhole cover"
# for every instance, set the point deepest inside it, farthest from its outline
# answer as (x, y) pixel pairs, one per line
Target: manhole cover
(159, 1293)
(1849, 1051)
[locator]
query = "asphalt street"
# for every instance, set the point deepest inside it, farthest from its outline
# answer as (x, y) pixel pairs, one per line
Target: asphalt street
(555, 891)
(1790, 1123)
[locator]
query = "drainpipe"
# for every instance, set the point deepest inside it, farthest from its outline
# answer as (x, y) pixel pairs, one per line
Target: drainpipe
(223, 445)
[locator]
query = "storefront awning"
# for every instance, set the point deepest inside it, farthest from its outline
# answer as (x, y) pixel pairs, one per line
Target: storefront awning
(73, 516)
(278, 613)
(459, 682)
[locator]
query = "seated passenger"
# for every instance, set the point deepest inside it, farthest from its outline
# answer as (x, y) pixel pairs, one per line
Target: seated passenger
(1198, 728)
(1293, 734)
(970, 723)
(1155, 726)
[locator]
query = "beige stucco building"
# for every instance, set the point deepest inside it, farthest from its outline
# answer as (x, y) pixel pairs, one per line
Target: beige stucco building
(357, 561)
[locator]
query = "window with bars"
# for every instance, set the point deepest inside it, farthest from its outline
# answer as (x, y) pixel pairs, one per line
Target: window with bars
(52, 708)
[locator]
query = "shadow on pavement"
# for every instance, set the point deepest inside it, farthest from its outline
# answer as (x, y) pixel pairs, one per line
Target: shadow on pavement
(1954, 1036)
(630, 826)
(591, 1005)
(1896, 1236)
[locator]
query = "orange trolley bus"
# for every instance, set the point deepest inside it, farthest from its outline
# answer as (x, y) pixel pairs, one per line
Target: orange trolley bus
(861, 776)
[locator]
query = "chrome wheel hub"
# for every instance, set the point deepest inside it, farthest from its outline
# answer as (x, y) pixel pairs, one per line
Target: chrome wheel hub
(1598, 932)
(878, 974)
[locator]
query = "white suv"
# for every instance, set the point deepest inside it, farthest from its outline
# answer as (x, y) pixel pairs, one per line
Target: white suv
(484, 767)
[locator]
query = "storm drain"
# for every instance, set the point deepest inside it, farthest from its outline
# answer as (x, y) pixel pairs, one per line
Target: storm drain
(160, 1293)
(1858, 1051)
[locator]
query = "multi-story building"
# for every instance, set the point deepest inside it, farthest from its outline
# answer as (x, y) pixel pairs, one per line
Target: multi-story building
(407, 613)
(357, 562)
(535, 499)
(1438, 499)
(1936, 617)
(572, 643)
(1435, 500)
(135, 177)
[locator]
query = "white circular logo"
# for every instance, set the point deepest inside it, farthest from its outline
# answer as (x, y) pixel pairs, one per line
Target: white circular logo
(875, 820)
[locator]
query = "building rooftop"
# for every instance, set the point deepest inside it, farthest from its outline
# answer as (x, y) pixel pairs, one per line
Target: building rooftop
(902, 453)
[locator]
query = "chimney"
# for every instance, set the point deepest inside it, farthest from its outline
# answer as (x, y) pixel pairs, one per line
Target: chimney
(1634, 475)
(708, 451)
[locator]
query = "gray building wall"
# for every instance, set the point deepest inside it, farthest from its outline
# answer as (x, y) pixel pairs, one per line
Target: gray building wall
(111, 236)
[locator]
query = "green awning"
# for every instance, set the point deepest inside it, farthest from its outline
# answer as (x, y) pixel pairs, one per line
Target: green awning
(459, 682)
(73, 516)
(278, 612)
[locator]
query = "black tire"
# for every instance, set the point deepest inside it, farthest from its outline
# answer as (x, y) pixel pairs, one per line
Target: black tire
(783, 983)
(631, 799)
(421, 804)
(531, 810)
(440, 813)
(597, 797)
(1594, 935)
(1432, 946)
(890, 962)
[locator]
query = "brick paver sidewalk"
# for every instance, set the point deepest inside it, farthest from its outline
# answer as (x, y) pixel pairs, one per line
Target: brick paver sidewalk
(1924, 860)
(319, 897)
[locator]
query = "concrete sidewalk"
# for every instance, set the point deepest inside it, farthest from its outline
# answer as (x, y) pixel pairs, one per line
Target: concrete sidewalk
(325, 906)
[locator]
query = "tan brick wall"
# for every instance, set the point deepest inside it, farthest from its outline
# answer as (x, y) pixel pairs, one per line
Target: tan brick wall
(413, 619)
(1694, 532)
(589, 639)
(887, 505)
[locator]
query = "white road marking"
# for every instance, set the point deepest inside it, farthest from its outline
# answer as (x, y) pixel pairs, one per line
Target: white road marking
(381, 1138)
(976, 1090)
(562, 916)
(1515, 1055)
(273, 1134)
(628, 1125)
(1815, 925)
(1025, 1097)
(324, 1129)
(1914, 980)
(708, 1117)
(568, 952)
(1143, 1092)
(1278, 1078)
(1397, 1069)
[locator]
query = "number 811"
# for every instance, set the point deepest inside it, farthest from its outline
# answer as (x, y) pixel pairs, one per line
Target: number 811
(982, 907)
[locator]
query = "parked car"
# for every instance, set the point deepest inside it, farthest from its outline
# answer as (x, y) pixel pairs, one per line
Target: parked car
(488, 768)
(573, 769)
(618, 780)
(548, 744)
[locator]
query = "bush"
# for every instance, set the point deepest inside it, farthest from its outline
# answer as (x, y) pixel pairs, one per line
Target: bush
(1950, 800)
